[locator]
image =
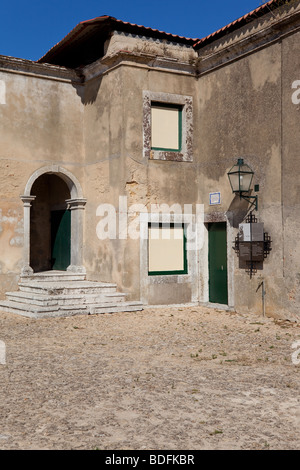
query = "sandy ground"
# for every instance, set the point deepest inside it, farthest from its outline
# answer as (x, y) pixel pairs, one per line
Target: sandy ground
(161, 379)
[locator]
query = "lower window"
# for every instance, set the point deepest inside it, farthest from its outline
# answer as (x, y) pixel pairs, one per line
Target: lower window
(166, 249)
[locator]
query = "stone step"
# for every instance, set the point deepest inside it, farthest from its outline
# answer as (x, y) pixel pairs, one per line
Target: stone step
(120, 307)
(64, 299)
(35, 311)
(71, 288)
(60, 293)
(53, 276)
(31, 309)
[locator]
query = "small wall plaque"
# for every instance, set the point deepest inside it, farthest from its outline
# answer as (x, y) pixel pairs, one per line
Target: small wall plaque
(214, 199)
(245, 251)
(257, 232)
(245, 233)
(251, 232)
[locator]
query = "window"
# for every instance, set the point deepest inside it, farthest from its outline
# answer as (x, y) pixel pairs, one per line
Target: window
(167, 126)
(166, 249)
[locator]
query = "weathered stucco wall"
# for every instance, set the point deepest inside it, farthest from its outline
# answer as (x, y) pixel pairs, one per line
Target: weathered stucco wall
(103, 137)
(238, 111)
(240, 117)
(115, 166)
(247, 112)
(291, 171)
(41, 122)
(150, 182)
(242, 107)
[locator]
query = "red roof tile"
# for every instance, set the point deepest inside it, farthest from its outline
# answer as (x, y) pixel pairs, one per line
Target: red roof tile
(251, 16)
(102, 26)
(107, 24)
(143, 29)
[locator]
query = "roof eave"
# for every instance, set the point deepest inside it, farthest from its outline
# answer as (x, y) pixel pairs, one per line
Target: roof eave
(243, 20)
(111, 24)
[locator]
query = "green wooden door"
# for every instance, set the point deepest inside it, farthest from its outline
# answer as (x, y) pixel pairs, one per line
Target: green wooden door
(60, 239)
(217, 262)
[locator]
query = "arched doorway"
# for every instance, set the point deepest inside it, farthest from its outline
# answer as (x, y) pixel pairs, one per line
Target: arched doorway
(53, 222)
(50, 224)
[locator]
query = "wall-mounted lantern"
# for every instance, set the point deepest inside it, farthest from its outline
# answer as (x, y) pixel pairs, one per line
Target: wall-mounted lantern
(240, 178)
(252, 245)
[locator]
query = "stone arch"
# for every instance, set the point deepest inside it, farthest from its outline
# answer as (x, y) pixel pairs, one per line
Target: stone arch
(71, 181)
(75, 204)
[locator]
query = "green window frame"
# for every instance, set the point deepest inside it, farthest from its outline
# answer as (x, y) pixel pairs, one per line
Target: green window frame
(158, 104)
(185, 262)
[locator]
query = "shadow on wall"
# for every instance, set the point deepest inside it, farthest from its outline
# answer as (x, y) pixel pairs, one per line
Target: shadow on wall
(239, 209)
(88, 92)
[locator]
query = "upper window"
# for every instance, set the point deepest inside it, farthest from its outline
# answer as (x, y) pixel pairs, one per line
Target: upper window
(166, 127)
(168, 124)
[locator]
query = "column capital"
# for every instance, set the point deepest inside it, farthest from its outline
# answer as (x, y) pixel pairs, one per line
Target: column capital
(27, 200)
(76, 203)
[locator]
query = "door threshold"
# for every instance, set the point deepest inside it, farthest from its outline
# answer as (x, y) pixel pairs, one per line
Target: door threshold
(51, 271)
(217, 306)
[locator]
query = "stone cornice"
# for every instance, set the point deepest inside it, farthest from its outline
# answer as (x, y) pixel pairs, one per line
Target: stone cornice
(137, 59)
(250, 38)
(47, 71)
(257, 34)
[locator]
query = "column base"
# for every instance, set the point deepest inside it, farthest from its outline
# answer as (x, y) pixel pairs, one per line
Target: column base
(76, 269)
(27, 271)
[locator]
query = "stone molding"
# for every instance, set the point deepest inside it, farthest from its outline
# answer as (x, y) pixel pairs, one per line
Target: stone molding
(71, 181)
(38, 70)
(137, 59)
(186, 153)
(254, 36)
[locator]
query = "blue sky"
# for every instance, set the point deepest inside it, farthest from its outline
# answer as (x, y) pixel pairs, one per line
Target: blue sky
(29, 28)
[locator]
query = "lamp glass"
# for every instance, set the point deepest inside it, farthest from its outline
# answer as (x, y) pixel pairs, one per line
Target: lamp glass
(240, 177)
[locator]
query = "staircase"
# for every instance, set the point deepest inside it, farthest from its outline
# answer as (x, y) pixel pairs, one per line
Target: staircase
(62, 293)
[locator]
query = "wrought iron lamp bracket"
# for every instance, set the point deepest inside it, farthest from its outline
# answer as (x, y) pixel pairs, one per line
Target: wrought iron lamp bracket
(252, 199)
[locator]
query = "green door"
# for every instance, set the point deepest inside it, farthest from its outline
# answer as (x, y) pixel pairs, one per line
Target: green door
(60, 239)
(217, 263)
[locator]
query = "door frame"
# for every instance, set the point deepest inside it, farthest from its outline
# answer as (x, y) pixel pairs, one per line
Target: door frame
(60, 219)
(76, 204)
(217, 251)
(204, 262)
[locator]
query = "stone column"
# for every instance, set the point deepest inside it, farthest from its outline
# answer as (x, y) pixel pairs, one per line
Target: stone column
(76, 206)
(26, 269)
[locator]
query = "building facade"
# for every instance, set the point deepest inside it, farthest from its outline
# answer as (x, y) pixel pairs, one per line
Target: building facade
(115, 152)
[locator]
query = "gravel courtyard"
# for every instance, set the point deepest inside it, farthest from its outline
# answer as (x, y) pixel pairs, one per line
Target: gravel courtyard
(160, 379)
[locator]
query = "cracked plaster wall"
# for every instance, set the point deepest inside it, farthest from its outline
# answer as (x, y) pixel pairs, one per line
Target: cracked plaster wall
(243, 109)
